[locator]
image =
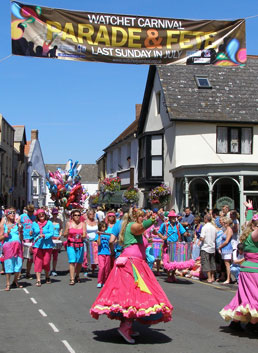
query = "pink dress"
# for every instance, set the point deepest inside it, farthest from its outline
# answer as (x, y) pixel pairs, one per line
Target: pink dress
(131, 290)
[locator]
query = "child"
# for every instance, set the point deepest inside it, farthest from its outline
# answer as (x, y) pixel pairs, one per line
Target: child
(104, 253)
(237, 258)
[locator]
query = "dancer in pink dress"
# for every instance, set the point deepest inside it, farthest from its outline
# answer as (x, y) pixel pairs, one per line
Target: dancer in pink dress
(131, 291)
(244, 306)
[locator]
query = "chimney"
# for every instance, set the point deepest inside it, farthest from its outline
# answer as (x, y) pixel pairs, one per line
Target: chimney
(34, 134)
(137, 111)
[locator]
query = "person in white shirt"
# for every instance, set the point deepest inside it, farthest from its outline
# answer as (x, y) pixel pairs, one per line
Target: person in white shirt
(100, 214)
(208, 236)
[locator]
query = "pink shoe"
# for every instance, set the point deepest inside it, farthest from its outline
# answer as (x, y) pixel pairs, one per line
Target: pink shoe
(125, 330)
(171, 279)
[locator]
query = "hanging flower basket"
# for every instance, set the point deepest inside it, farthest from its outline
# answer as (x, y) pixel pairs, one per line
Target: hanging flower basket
(131, 195)
(94, 199)
(110, 185)
(160, 195)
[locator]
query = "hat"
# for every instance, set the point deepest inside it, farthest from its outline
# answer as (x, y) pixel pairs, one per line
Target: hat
(54, 211)
(155, 210)
(40, 210)
(166, 213)
(30, 208)
(172, 214)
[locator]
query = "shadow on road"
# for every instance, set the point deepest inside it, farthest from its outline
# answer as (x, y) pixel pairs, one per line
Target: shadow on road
(244, 333)
(147, 336)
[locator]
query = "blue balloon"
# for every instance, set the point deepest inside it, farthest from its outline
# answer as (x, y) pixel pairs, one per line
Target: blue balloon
(232, 49)
(16, 10)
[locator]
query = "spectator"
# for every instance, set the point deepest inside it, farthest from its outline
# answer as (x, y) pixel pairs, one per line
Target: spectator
(226, 246)
(208, 236)
(237, 259)
(100, 214)
(187, 222)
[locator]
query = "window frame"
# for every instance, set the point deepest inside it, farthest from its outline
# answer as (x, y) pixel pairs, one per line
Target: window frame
(197, 77)
(147, 156)
(240, 129)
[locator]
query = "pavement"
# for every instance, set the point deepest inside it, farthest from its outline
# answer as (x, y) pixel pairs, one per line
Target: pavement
(55, 318)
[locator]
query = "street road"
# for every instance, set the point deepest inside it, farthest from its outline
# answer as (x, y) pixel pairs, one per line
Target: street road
(55, 318)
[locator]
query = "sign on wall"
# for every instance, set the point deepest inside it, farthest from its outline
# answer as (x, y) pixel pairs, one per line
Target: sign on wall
(85, 36)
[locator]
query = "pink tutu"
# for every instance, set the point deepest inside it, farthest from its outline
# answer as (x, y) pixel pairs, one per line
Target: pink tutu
(244, 306)
(132, 291)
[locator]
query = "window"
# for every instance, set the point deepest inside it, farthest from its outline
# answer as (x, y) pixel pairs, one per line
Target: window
(158, 98)
(156, 156)
(202, 81)
(234, 140)
(151, 157)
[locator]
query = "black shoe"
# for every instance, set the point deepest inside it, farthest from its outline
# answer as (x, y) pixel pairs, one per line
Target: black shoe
(235, 326)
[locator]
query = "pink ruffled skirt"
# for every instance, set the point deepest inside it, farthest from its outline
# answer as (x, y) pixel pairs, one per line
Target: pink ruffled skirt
(132, 291)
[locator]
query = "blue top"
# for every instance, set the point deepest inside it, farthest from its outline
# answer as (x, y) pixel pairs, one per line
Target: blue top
(189, 219)
(27, 222)
(116, 230)
(48, 231)
(172, 232)
(103, 248)
(13, 235)
(56, 230)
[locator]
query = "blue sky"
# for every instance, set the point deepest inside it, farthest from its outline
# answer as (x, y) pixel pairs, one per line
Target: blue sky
(79, 108)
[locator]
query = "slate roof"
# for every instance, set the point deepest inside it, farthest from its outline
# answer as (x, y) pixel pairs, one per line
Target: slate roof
(233, 97)
(88, 173)
(19, 133)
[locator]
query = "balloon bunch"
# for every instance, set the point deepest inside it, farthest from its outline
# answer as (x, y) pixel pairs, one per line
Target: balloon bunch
(65, 187)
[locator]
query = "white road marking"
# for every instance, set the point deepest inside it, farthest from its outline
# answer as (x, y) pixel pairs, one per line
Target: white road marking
(55, 329)
(26, 291)
(33, 301)
(42, 312)
(68, 347)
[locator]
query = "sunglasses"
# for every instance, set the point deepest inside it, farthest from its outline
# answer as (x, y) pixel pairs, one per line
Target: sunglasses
(41, 214)
(11, 212)
(76, 215)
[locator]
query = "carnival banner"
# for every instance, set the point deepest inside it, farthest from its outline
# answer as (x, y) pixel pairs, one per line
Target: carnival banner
(85, 36)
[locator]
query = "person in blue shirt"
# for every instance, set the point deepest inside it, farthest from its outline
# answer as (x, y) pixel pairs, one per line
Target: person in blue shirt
(171, 231)
(103, 254)
(187, 222)
(26, 220)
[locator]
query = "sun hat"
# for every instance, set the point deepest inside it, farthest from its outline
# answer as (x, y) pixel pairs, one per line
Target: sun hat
(172, 214)
(40, 210)
(54, 211)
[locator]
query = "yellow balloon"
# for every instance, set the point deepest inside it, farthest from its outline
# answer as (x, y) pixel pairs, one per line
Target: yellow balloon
(16, 32)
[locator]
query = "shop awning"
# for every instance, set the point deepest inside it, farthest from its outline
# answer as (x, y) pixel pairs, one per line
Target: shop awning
(111, 199)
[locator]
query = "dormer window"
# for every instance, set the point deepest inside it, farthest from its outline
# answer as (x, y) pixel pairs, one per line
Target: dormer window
(202, 81)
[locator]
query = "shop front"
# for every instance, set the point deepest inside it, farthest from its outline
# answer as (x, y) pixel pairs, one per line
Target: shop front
(208, 188)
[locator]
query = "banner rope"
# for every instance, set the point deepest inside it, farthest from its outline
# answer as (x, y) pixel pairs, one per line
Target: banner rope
(6, 57)
(246, 18)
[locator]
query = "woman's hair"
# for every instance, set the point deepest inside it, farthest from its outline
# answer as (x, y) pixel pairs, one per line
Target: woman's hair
(75, 210)
(227, 220)
(197, 219)
(125, 220)
(128, 217)
(91, 210)
(101, 225)
(247, 230)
